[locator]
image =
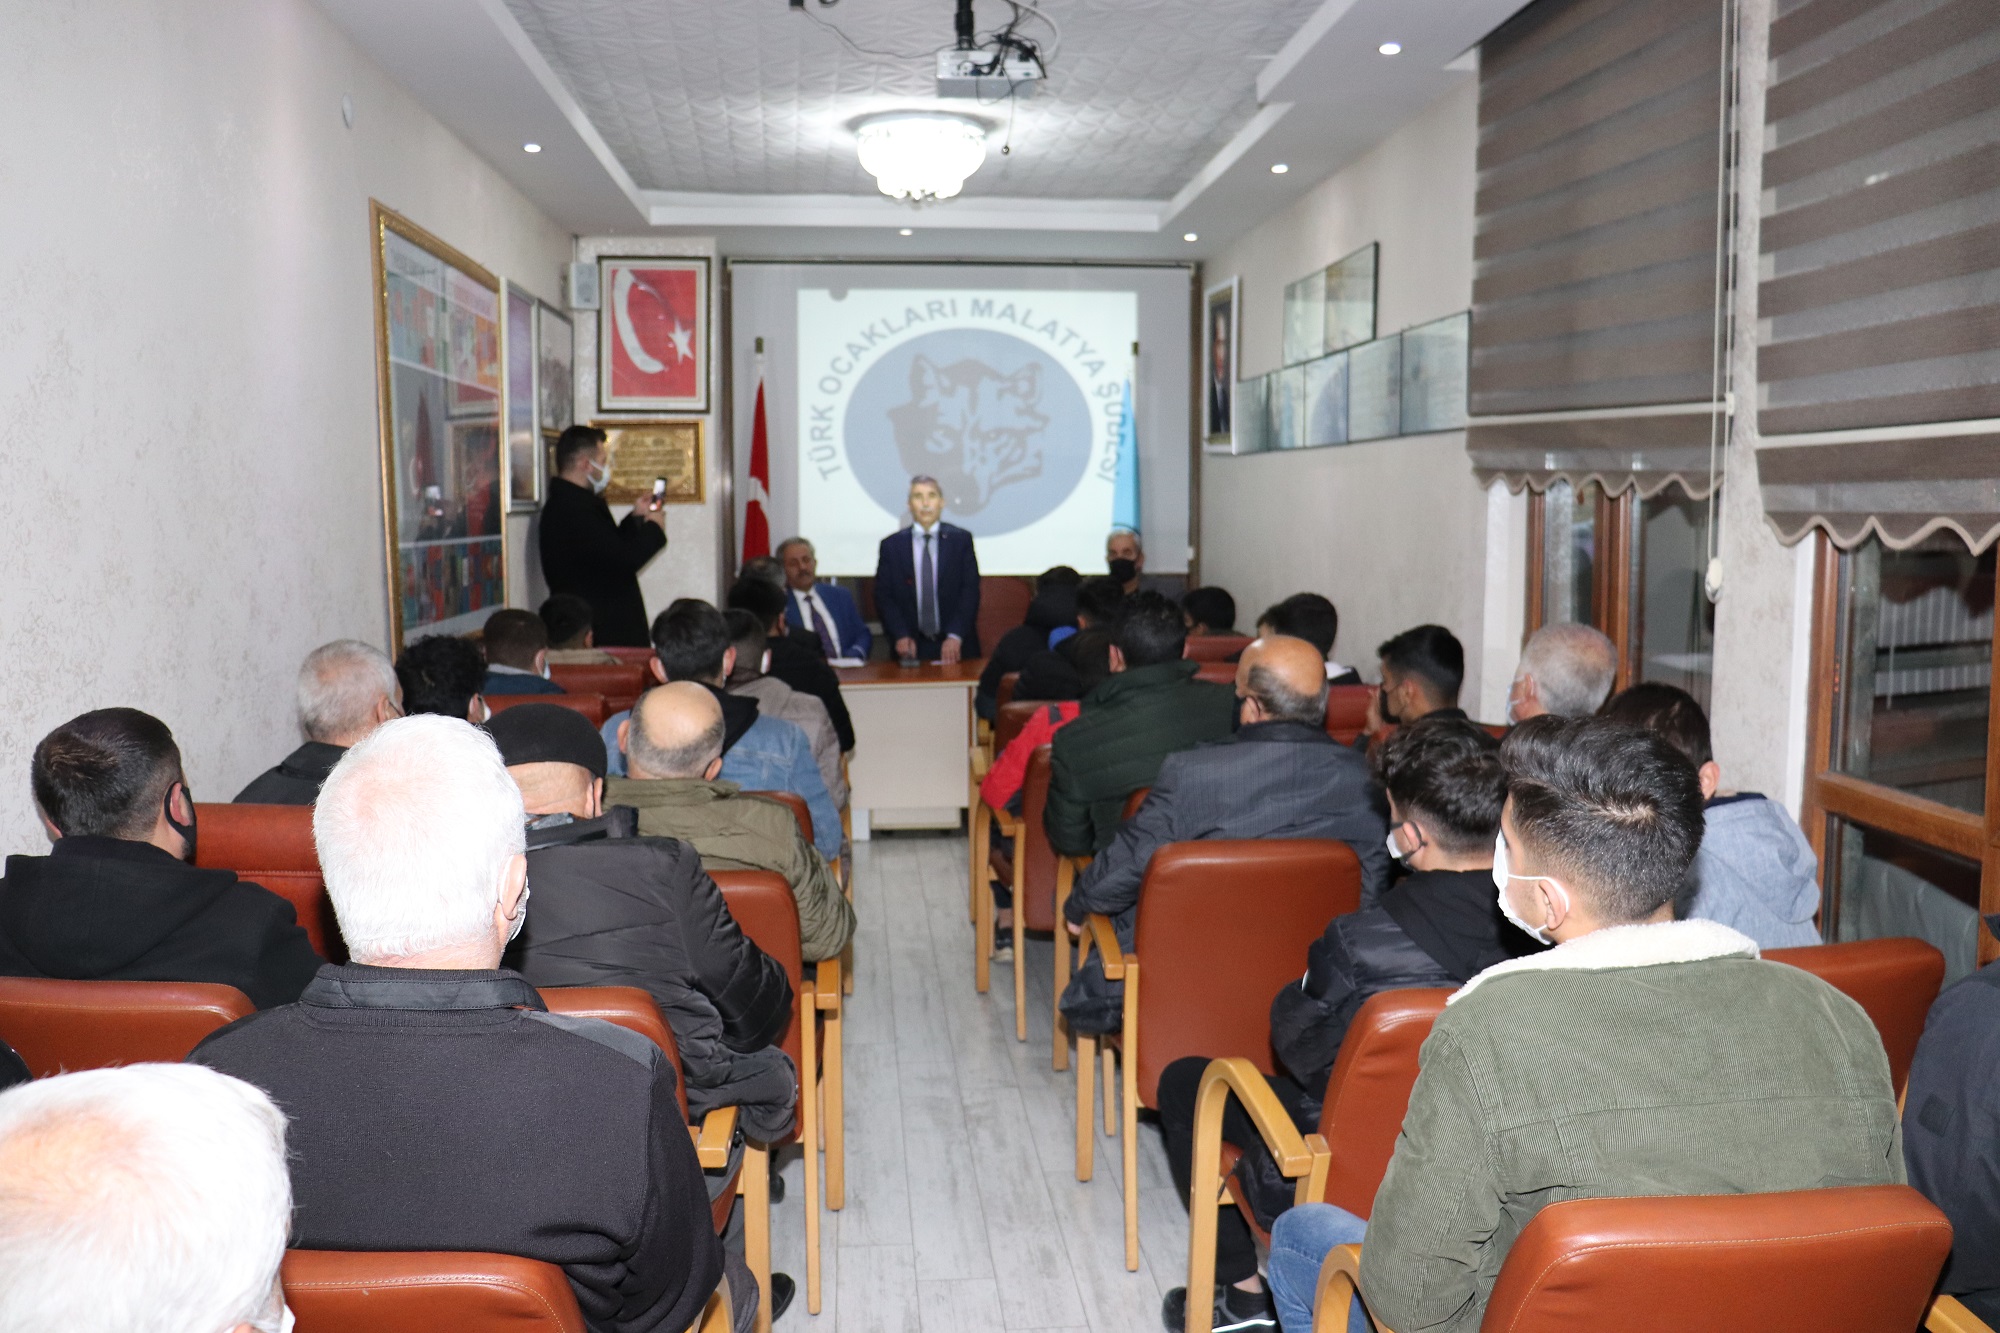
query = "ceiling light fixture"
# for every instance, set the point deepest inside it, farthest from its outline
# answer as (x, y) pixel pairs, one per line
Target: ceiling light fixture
(1189, 236)
(922, 156)
(1279, 168)
(531, 148)
(1390, 48)
(906, 232)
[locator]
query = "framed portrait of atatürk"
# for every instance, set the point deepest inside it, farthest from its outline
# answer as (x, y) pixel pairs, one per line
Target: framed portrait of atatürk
(1218, 359)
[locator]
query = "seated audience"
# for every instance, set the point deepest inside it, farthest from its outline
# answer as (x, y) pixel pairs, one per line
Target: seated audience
(1309, 616)
(1150, 707)
(796, 659)
(1125, 559)
(1566, 669)
(1001, 787)
(1439, 926)
(1052, 611)
(759, 753)
(1279, 776)
(443, 675)
(1053, 673)
(1641, 1055)
(346, 689)
(1949, 1142)
(765, 569)
(435, 1104)
(673, 753)
(572, 640)
(1209, 611)
(152, 1197)
(116, 898)
(1755, 871)
(822, 612)
(517, 654)
(1422, 670)
(748, 637)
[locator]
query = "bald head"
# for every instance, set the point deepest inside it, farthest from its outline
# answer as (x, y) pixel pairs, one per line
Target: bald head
(1282, 679)
(675, 732)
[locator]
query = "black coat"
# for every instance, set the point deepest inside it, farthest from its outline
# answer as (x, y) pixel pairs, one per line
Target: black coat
(586, 553)
(105, 909)
(448, 1110)
(614, 909)
(297, 778)
(800, 662)
(1052, 608)
(1948, 1139)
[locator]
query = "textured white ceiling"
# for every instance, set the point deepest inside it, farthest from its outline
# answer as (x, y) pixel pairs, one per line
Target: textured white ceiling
(749, 97)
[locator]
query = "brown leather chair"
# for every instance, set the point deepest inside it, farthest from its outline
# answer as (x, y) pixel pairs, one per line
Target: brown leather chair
(1895, 980)
(272, 845)
(1860, 1259)
(1347, 711)
(1003, 604)
(634, 656)
(620, 683)
(336, 1291)
(765, 910)
(982, 822)
(590, 705)
(1215, 647)
(57, 1026)
(1344, 1161)
(1221, 926)
(1217, 673)
(1134, 801)
(1003, 694)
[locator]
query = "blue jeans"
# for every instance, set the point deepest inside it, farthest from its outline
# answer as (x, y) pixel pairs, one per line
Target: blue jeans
(1300, 1242)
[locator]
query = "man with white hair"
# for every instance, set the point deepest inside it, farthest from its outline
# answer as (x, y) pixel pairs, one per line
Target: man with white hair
(435, 1104)
(149, 1197)
(1566, 669)
(347, 688)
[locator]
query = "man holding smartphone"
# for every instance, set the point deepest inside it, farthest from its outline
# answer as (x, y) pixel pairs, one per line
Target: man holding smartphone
(587, 553)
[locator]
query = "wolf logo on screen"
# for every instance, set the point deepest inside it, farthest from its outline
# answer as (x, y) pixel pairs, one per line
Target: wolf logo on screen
(977, 431)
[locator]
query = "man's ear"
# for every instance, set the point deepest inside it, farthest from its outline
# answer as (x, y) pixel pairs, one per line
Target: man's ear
(48, 825)
(1710, 774)
(590, 638)
(714, 767)
(728, 662)
(659, 670)
(476, 711)
(1117, 660)
(513, 881)
(387, 710)
(595, 804)
(624, 730)
(541, 661)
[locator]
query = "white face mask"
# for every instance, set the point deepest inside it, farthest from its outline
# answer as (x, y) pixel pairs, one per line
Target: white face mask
(1501, 875)
(600, 478)
(1395, 848)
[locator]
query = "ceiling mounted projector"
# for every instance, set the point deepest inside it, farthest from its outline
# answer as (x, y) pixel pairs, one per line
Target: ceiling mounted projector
(921, 156)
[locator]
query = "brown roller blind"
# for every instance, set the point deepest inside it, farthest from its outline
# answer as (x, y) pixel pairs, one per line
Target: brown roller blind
(1880, 294)
(1594, 291)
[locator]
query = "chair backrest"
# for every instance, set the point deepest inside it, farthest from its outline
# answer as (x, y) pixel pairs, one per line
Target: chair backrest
(1012, 718)
(69, 1025)
(1038, 861)
(405, 1291)
(1134, 801)
(1347, 711)
(1215, 647)
(1003, 604)
(1003, 694)
(1895, 980)
(639, 656)
(794, 802)
(629, 1007)
(1222, 925)
(272, 845)
(1853, 1260)
(620, 683)
(765, 910)
(590, 705)
(1217, 673)
(1370, 1090)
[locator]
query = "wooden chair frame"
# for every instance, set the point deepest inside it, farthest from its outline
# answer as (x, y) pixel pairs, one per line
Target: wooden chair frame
(1099, 933)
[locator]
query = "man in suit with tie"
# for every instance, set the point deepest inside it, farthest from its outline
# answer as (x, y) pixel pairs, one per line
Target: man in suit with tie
(822, 611)
(927, 583)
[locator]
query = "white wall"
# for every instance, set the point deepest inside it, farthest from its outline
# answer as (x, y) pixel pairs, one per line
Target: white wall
(1395, 532)
(187, 366)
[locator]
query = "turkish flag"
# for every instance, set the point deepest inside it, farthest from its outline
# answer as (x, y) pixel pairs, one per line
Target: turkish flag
(757, 522)
(655, 333)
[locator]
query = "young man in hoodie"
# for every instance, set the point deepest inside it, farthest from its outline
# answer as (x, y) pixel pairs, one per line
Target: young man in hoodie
(1755, 871)
(117, 898)
(1639, 1056)
(1054, 608)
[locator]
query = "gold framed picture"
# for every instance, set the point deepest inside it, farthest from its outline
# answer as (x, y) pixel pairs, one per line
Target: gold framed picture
(642, 451)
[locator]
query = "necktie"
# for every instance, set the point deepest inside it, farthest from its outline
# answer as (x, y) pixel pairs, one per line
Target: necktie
(927, 612)
(818, 625)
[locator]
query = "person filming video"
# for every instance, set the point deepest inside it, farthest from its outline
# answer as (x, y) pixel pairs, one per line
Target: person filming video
(587, 553)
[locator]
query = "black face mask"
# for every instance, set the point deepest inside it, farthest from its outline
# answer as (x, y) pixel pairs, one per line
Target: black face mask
(1123, 571)
(187, 830)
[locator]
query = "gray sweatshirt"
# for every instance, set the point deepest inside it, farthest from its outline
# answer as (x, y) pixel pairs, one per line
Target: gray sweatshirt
(1756, 873)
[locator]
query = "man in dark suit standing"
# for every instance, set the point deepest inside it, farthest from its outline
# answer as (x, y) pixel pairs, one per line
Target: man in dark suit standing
(586, 553)
(927, 583)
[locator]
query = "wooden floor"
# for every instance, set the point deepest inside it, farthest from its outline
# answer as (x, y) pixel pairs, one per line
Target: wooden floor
(963, 1211)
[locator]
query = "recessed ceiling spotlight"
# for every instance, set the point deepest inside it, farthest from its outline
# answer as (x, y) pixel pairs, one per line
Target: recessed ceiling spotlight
(1279, 168)
(1189, 236)
(905, 232)
(531, 148)
(1390, 48)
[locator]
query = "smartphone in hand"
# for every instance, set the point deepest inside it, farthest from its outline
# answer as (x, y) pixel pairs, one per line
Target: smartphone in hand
(659, 491)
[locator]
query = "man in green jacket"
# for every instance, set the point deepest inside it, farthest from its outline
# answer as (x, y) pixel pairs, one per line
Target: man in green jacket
(673, 750)
(1151, 707)
(1640, 1056)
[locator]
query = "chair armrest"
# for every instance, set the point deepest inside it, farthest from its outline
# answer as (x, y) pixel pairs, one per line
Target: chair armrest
(826, 984)
(981, 761)
(1303, 1156)
(1099, 930)
(716, 1316)
(712, 1138)
(1948, 1315)
(1339, 1288)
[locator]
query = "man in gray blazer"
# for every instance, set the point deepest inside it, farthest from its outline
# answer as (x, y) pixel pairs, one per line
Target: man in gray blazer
(1279, 776)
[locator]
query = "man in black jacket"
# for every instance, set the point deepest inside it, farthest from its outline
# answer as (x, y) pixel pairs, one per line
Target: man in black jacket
(434, 1104)
(1279, 776)
(346, 689)
(1053, 608)
(115, 899)
(1440, 926)
(586, 552)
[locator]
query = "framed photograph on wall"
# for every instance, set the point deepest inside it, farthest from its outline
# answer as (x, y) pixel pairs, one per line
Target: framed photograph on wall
(524, 436)
(1350, 298)
(555, 371)
(1218, 361)
(652, 335)
(438, 336)
(644, 451)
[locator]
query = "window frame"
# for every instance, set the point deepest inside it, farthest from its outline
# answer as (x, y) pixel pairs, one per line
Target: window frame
(1613, 573)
